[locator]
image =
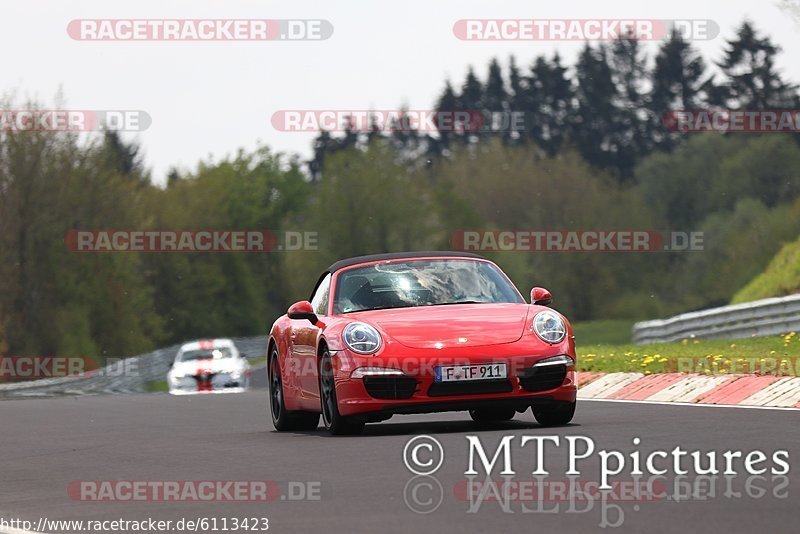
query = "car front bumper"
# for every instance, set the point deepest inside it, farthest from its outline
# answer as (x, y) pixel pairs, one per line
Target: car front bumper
(208, 383)
(417, 391)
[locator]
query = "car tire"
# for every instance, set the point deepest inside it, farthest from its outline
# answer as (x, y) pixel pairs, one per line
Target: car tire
(492, 415)
(556, 414)
(283, 419)
(334, 422)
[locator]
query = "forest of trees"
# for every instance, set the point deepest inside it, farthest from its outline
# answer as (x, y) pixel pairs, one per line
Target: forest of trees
(594, 155)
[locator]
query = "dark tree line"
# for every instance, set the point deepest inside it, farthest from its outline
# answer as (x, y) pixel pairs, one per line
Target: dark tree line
(591, 127)
(609, 106)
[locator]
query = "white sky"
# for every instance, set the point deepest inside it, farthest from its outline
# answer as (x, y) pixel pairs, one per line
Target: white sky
(208, 99)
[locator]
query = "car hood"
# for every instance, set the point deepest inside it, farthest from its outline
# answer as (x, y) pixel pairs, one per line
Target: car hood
(457, 325)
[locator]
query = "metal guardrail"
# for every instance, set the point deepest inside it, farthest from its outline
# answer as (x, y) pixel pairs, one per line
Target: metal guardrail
(130, 375)
(758, 318)
(751, 319)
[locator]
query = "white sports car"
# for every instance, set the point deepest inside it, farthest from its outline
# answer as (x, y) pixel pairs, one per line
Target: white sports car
(213, 366)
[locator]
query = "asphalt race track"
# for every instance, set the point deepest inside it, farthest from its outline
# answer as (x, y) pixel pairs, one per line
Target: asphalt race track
(363, 483)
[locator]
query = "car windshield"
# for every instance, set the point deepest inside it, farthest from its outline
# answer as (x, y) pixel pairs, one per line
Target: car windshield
(421, 283)
(203, 354)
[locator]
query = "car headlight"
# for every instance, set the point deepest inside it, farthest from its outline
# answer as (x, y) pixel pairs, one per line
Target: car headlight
(361, 338)
(549, 326)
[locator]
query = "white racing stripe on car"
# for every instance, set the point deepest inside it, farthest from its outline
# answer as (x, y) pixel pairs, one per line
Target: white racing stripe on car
(695, 404)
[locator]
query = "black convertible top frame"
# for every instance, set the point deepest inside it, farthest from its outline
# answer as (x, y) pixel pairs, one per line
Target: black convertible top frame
(341, 264)
(349, 262)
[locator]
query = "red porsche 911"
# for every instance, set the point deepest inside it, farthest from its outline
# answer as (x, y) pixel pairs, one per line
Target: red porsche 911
(420, 332)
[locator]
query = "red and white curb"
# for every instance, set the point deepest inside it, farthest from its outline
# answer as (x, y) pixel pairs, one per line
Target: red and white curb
(728, 390)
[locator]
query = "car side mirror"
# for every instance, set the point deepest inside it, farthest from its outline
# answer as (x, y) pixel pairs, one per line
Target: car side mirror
(541, 296)
(243, 355)
(302, 310)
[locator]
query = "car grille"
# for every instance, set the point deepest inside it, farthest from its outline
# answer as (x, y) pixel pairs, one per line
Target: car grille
(469, 387)
(542, 378)
(390, 387)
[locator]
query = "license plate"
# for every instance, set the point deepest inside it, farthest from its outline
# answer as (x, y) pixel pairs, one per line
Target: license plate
(483, 371)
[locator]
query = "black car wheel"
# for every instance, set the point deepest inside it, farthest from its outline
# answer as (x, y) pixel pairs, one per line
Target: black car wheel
(334, 422)
(556, 414)
(283, 419)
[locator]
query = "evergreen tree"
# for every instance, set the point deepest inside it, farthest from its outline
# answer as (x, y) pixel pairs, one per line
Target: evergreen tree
(594, 118)
(518, 97)
(495, 97)
(751, 79)
(631, 121)
(677, 82)
(446, 106)
(550, 97)
(472, 102)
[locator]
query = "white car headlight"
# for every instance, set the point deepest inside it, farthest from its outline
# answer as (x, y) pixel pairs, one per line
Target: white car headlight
(361, 338)
(549, 326)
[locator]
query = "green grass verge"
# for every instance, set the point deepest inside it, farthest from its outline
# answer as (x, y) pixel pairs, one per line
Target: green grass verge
(777, 355)
(257, 361)
(781, 277)
(156, 386)
(603, 332)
